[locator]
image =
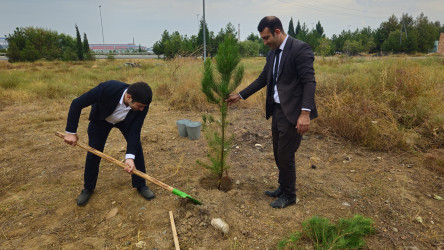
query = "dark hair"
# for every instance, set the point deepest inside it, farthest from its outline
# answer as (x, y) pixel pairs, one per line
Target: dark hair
(140, 92)
(272, 23)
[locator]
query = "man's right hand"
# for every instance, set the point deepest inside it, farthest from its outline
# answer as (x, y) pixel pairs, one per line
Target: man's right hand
(233, 98)
(71, 139)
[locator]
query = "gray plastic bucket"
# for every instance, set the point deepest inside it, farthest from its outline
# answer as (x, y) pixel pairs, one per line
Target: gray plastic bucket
(181, 126)
(193, 130)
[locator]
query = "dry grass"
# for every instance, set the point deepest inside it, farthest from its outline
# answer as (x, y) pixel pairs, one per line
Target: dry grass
(381, 103)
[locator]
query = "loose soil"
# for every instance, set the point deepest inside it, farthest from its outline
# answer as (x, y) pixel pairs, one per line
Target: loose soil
(41, 177)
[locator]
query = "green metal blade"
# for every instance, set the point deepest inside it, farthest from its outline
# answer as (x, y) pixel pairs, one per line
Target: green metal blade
(184, 195)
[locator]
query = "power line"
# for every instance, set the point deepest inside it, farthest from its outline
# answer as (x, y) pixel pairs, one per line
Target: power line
(341, 7)
(319, 9)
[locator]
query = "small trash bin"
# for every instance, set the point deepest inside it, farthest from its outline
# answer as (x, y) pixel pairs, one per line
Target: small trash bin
(181, 126)
(193, 130)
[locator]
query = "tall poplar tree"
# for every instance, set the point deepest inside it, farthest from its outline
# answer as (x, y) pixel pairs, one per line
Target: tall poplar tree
(291, 31)
(298, 29)
(79, 45)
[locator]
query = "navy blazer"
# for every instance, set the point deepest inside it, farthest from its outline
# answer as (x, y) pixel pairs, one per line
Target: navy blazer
(296, 81)
(104, 99)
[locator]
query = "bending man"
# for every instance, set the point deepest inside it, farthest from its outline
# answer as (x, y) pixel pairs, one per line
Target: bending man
(113, 104)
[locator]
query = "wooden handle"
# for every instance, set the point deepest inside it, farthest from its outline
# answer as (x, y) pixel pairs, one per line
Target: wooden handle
(173, 228)
(119, 163)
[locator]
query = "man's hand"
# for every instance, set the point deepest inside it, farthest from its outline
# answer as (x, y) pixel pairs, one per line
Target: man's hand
(129, 166)
(233, 98)
(303, 122)
(71, 139)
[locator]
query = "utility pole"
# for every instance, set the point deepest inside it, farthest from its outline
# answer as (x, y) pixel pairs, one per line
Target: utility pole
(238, 32)
(204, 35)
(101, 23)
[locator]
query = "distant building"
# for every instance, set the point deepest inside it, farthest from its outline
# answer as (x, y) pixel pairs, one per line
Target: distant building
(117, 48)
(3, 43)
(441, 44)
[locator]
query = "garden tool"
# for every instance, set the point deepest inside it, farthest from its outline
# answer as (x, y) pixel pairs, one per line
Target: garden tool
(135, 171)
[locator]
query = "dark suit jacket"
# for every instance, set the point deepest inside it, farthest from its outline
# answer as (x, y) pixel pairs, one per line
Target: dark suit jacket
(296, 81)
(104, 99)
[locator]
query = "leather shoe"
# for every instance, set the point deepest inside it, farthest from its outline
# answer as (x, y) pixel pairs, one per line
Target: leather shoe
(275, 193)
(283, 201)
(84, 197)
(146, 193)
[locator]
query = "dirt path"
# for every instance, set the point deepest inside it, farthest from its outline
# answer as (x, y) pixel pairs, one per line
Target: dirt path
(41, 178)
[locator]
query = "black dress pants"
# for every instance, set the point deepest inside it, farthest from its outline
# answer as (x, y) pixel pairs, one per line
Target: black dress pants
(98, 132)
(286, 141)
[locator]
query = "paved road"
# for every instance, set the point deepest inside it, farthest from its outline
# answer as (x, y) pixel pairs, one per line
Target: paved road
(115, 56)
(127, 56)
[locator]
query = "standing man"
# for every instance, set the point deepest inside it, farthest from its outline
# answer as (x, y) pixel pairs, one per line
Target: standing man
(289, 77)
(114, 104)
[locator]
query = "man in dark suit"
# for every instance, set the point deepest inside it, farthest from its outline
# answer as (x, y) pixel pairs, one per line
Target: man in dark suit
(113, 104)
(289, 77)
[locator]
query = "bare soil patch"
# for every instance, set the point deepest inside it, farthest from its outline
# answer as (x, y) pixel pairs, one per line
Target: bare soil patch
(41, 178)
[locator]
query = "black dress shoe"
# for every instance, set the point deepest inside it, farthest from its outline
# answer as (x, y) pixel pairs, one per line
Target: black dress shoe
(146, 193)
(84, 197)
(275, 193)
(283, 201)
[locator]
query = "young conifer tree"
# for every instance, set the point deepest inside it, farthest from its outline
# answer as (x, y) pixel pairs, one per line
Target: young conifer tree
(217, 88)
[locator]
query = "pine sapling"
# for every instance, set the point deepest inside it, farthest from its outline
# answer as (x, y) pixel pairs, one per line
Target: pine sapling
(217, 88)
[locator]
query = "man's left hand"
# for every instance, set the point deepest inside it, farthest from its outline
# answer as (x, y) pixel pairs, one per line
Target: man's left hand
(130, 165)
(303, 124)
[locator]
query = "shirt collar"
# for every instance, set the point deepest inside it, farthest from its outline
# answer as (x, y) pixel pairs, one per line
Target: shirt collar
(283, 43)
(121, 98)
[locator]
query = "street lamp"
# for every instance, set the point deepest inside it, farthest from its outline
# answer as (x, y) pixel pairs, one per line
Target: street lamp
(204, 31)
(101, 23)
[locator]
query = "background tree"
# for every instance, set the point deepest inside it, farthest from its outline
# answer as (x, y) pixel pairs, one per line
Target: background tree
(263, 49)
(159, 46)
(427, 33)
(67, 46)
(200, 35)
(320, 30)
(79, 45)
(352, 47)
(383, 32)
(291, 31)
(38, 42)
(298, 29)
(86, 50)
(173, 45)
(249, 48)
(302, 33)
(29, 53)
(216, 91)
(324, 48)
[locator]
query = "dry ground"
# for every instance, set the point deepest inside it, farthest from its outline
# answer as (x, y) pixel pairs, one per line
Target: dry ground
(41, 178)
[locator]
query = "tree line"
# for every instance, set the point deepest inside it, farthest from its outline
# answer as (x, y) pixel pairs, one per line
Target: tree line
(31, 44)
(396, 35)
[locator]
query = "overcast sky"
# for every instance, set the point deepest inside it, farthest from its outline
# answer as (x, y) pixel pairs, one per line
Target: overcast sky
(145, 20)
